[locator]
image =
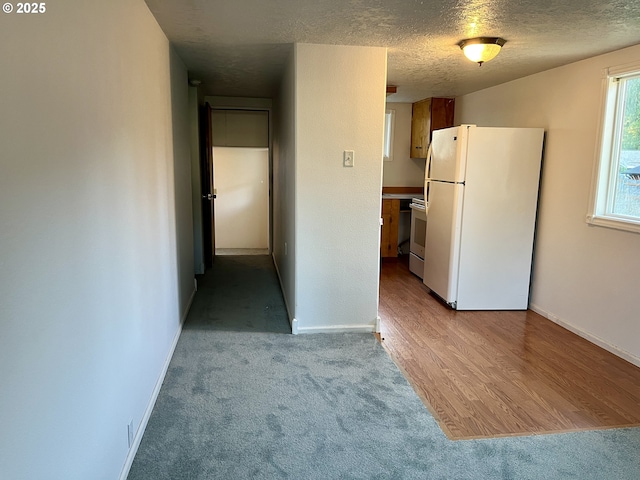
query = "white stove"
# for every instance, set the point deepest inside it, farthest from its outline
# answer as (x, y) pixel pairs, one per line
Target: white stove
(418, 236)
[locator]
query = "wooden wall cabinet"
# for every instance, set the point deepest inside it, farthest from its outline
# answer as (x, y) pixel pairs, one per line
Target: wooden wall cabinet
(428, 115)
(389, 230)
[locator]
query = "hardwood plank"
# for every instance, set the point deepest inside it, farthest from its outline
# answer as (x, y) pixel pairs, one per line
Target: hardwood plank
(487, 374)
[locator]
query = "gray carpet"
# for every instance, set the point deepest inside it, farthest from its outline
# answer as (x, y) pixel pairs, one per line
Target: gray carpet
(241, 294)
(258, 404)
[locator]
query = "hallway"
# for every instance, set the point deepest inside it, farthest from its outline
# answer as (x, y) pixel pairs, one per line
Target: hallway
(238, 308)
(239, 294)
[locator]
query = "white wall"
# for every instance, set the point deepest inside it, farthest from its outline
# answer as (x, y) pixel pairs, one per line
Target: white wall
(181, 163)
(403, 171)
(93, 270)
(241, 180)
(583, 277)
(339, 105)
(246, 103)
(284, 187)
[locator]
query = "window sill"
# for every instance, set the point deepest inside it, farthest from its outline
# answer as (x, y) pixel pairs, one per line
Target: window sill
(617, 223)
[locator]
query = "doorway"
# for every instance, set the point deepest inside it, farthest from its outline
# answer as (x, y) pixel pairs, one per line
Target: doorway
(241, 184)
(238, 152)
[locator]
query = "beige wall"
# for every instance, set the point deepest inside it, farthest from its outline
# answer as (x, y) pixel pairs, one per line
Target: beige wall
(240, 128)
(403, 171)
(339, 105)
(584, 277)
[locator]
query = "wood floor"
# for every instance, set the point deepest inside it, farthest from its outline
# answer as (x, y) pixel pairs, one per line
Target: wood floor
(488, 374)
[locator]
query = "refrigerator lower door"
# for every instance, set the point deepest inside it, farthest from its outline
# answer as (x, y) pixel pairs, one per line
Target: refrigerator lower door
(442, 245)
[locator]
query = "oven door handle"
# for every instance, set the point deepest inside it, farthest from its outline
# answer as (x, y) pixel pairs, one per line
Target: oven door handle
(417, 206)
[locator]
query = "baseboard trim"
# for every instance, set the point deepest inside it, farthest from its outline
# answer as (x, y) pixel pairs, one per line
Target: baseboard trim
(189, 303)
(338, 329)
(154, 395)
(617, 351)
(296, 329)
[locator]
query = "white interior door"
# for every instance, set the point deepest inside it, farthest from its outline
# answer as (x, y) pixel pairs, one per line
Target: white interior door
(241, 177)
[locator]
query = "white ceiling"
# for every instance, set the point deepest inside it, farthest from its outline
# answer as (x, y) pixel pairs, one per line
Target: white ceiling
(238, 48)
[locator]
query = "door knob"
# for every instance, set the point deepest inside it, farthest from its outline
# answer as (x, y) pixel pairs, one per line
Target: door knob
(209, 196)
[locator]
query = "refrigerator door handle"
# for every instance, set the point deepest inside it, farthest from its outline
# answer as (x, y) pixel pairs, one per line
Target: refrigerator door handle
(426, 192)
(427, 166)
(427, 176)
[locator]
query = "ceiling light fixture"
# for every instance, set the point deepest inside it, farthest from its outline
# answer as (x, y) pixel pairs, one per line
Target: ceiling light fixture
(481, 49)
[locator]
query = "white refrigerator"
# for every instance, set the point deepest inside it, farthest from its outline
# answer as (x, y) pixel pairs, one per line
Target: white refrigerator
(481, 195)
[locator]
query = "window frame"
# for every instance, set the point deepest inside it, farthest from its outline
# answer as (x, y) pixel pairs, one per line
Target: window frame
(607, 152)
(387, 142)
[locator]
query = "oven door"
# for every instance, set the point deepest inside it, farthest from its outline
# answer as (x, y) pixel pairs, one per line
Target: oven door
(418, 229)
(418, 237)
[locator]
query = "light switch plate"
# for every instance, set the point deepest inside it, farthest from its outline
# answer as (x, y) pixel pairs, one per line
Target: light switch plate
(347, 159)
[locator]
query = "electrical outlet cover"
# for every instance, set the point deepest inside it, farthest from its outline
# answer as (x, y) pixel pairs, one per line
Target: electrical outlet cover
(130, 433)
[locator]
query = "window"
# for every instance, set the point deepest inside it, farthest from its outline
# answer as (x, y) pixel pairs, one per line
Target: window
(616, 196)
(389, 121)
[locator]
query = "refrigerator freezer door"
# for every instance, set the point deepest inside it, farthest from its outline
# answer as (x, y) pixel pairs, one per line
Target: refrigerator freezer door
(448, 154)
(442, 243)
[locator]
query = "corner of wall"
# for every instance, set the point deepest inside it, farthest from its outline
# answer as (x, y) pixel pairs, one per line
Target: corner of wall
(629, 357)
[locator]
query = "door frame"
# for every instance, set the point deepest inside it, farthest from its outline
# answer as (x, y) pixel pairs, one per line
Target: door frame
(214, 103)
(206, 183)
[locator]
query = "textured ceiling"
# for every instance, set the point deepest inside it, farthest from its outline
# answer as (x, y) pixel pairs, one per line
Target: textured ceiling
(238, 48)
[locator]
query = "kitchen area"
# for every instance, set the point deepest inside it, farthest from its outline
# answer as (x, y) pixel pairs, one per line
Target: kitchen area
(454, 290)
(466, 221)
(403, 210)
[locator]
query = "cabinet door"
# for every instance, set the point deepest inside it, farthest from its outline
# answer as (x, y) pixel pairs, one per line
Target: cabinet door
(442, 113)
(389, 231)
(429, 115)
(420, 128)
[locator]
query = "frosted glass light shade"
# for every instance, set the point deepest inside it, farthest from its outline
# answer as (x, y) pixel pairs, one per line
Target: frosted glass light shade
(481, 49)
